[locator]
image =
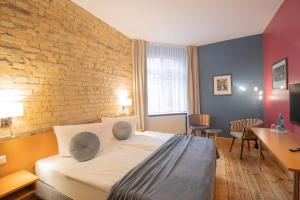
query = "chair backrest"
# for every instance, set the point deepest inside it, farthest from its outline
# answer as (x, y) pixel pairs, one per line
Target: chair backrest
(199, 120)
(240, 125)
(254, 123)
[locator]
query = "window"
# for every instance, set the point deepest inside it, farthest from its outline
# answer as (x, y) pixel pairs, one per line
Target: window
(167, 79)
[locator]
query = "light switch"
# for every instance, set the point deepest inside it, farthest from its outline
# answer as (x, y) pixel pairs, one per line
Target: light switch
(2, 159)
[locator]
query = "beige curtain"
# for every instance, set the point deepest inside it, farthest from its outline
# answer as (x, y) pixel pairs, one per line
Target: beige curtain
(140, 83)
(193, 80)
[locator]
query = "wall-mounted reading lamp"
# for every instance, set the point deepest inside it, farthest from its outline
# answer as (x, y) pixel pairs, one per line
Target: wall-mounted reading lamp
(9, 110)
(124, 101)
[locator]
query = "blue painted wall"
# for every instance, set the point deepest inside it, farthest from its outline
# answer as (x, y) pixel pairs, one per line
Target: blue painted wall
(243, 58)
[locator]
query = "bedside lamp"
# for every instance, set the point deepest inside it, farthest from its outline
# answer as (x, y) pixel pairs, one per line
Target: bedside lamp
(9, 110)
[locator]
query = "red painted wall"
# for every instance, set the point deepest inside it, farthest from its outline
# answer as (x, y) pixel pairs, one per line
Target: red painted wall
(282, 39)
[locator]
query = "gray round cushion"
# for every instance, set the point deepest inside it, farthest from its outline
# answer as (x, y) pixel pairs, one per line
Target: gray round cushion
(84, 146)
(121, 130)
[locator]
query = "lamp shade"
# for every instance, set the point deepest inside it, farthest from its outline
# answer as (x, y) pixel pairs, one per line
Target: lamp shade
(14, 109)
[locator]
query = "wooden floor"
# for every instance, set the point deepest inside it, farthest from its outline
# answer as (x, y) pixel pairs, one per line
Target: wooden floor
(236, 179)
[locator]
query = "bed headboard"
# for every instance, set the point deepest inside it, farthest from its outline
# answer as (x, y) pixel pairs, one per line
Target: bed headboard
(23, 152)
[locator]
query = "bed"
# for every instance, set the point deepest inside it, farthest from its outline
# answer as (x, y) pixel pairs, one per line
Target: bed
(65, 178)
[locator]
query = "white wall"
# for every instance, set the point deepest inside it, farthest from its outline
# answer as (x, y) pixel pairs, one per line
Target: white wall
(167, 123)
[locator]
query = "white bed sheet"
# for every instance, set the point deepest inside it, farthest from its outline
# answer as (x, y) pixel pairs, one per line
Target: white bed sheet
(93, 179)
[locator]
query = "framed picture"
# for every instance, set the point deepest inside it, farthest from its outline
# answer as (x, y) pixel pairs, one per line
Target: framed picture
(279, 75)
(222, 85)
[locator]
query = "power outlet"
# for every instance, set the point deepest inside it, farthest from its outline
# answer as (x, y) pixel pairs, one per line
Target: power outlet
(2, 159)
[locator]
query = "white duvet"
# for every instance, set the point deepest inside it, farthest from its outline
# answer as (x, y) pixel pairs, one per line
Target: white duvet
(112, 164)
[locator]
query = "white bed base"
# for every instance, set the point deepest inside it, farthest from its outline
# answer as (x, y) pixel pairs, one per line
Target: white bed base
(46, 192)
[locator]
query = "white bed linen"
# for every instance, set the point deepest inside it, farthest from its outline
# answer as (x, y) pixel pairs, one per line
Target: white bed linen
(93, 179)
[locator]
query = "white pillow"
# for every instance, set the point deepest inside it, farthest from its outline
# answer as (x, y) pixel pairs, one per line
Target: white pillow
(112, 120)
(65, 133)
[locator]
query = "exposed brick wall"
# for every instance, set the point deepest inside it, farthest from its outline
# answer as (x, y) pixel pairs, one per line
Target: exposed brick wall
(66, 64)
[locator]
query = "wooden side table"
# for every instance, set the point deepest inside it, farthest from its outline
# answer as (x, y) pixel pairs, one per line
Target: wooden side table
(17, 186)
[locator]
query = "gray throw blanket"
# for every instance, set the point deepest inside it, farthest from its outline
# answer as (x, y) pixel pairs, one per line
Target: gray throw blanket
(181, 169)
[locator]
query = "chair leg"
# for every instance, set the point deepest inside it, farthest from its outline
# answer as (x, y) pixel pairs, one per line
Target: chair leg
(262, 155)
(201, 133)
(232, 144)
(241, 156)
(193, 132)
(256, 145)
(248, 145)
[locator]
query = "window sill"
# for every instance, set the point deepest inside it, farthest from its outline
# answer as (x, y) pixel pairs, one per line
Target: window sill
(170, 114)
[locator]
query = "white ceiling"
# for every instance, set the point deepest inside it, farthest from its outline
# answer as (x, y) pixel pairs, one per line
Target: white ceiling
(196, 22)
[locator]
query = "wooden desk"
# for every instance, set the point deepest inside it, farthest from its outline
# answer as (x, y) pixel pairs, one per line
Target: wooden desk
(279, 144)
